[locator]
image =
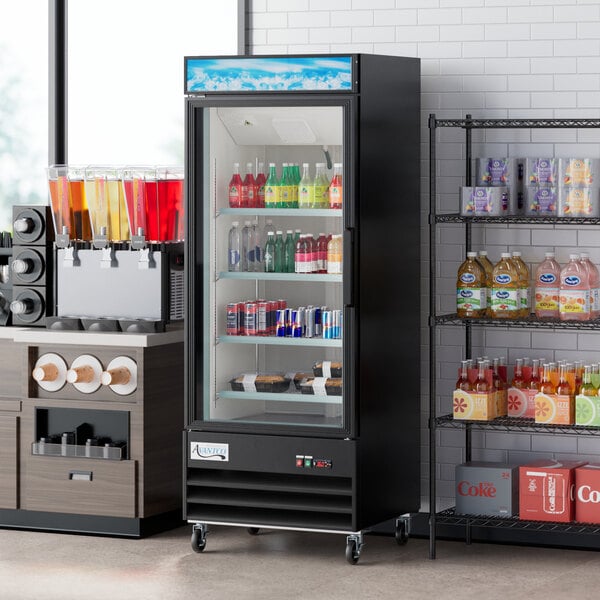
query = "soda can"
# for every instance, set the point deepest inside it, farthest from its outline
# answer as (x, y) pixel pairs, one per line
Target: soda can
(296, 323)
(302, 311)
(309, 326)
(280, 324)
(233, 319)
(251, 319)
(318, 322)
(288, 322)
(337, 324)
(273, 306)
(262, 320)
(327, 325)
(282, 303)
(242, 316)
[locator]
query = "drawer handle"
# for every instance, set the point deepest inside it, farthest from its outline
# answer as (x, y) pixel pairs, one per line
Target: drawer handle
(81, 475)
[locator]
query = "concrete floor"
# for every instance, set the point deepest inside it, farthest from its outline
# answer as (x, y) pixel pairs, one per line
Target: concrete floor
(283, 565)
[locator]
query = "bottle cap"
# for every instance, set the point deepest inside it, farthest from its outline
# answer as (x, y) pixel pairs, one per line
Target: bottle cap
(516, 254)
(337, 165)
(246, 223)
(549, 254)
(249, 166)
(505, 255)
(471, 254)
(279, 232)
(270, 233)
(483, 253)
(584, 255)
(236, 165)
(573, 256)
(235, 223)
(305, 165)
(289, 231)
(271, 164)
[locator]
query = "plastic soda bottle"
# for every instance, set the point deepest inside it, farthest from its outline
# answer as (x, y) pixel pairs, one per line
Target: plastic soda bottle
(295, 179)
(269, 253)
(279, 253)
(321, 187)
(524, 295)
(285, 188)
(505, 289)
(574, 300)
(594, 279)
(248, 199)
(312, 250)
(289, 252)
(334, 255)
(547, 287)
(335, 187)
(235, 187)
(322, 253)
(272, 188)
(471, 292)
(301, 257)
(234, 248)
(260, 185)
(306, 189)
(488, 267)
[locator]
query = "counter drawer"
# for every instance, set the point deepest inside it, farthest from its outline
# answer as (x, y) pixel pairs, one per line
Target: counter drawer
(78, 486)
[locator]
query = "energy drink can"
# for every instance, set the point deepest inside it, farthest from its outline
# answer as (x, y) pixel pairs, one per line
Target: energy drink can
(327, 325)
(302, 311)
(251, 319)
(337, 324)
(280, 323)
(273, 306)
(282, 303)
(288, 322)
(296, 323)
(319, 321)
(233, 319)
(262, 319)
(309, 325)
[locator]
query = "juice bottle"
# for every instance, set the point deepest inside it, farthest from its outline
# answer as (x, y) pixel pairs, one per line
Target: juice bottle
(564, 387)
(497, 381)
(295, 177)
(335, 187)
(594, 279)
(505, 289)
(471, 292)
(306, 192)
(524, 295)
(322, 253)
(272, 188)
(547, 287)
(534, 382)
(546, 385)
(574, 301)
(248, 199)
(578, 373)
(260, 186)
(334, 255)
(321, 187)
(518, 379)
(481, 384)
(301, 255)
(463, 382)
(587, 387)
(312, 252)
(235, 187)
(488, 267)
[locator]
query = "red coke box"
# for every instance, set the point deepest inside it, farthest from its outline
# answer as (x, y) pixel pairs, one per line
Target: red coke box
(547, 490)
(587, 493)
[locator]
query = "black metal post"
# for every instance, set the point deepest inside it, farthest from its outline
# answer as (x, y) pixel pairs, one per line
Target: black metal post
(57, 82)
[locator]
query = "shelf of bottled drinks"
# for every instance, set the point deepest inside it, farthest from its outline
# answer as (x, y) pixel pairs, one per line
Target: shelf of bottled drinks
(518, 219)
(524, 322)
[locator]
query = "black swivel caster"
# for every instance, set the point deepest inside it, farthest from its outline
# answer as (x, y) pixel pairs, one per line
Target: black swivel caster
(199, 537)
(252, 530)
(354, 544)
(401, 531)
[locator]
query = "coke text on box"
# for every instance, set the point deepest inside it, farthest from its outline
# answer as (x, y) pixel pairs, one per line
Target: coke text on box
(587, 493)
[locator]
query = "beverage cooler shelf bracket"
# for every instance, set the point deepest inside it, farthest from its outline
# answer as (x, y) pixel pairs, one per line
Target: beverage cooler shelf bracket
(435, 321)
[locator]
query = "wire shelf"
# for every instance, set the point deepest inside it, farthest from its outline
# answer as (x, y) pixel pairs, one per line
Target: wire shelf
(518, 219)
(514, 424)
(449, 517)
(531, 322)
(518, 123)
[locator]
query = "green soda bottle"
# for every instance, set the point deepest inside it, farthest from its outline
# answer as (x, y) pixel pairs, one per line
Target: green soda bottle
(295, 184)
(285, 190)
(272, 188)
(269, 253)
(279, 253)
(289, 252)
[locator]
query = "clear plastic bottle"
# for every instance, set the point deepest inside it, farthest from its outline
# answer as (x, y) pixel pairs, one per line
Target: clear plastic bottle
(247, 247)
(505, 289)
(306, 192)
(321, 187)
(574, 302)
(289, 252)
(234, 251)
(547, 287)
(334, 255)
(594, 279)
(248, 199)
(279, 253)
(260, 185)
(269, 253)
(471, 292)
(272, 188)
(258, 247)
(335, 187)
(235, 187)
(488, 267)
(524, 285)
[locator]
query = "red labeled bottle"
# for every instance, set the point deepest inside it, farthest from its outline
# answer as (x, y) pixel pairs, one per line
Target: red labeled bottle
(235, 188)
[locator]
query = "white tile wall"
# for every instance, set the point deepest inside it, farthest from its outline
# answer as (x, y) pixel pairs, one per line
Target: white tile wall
(490, 58)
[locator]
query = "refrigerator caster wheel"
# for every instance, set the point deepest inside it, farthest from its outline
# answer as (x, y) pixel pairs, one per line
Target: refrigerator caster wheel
(401, 532)
(253, 530)
(352, 552)
(199, 538)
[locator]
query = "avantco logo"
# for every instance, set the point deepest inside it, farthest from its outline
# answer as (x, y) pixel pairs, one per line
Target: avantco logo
(467, 278)
(572, 280)
(503, 279)
(547, 278)
(586, 495)
(209, 451)
(483, 489)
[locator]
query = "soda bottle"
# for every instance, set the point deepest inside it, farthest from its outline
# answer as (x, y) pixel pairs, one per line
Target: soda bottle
(235, 187)
(269, 253)
(285, 188)
(335, 187)
(505, 289)
(301, 257)
(463, 382)
(546, 385)
(587, 387)
(289, 252)
(334, 255)
(260, 185)
(574, 301)
(497, 381)
(564, 387)
(594, 279)
(295, 179)
(265, 232)
(578, 373)
(481, 384)
(322, 253)
(534, 382)
(488, 267)
(272, 188)
(471, 290)
(247, 247)
(518, 380)
(258, 252)
(248, 189)
(547, 287)
(321, 187)
(279, 253)
(234, 248)
(297, 233)
(306, 192)
(524, 294)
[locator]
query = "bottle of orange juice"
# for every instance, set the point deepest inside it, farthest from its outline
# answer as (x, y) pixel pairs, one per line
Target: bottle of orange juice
(471, 292)
(524, 295)
(505, 296)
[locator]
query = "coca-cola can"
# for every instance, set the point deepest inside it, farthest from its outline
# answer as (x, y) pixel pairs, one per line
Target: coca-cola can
(282, 304)
(280, 323)
(251, 319)
(233, 319)
(262, 320)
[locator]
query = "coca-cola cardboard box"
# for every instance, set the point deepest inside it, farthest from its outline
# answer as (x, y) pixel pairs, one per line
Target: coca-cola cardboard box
(547, 490)
(587, 493)
(487, 488)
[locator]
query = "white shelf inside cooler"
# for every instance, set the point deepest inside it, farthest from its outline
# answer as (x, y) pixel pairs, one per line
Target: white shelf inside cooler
(285, 396)
(280, 341)
(282, 212)
(324, 277)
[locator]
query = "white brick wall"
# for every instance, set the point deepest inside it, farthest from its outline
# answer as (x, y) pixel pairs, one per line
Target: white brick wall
(490, 58)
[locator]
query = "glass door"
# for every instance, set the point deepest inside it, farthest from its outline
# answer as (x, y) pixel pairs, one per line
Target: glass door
(272, 282)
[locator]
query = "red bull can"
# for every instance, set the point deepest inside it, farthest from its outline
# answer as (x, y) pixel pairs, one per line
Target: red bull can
(280, 323)
(296, 324)
(251, 319)
(327, 325)
(288, 322)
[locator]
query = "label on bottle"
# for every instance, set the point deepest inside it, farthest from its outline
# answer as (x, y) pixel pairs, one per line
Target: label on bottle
(321, 196)
(505, 300)
(525, 300)
(467, 278)
(335, 196)
(234, 260)
(306, 196)
(546, 298)
(271, 196)
(471, 298)
(234, 196)
(334, 264)
(303, 262)
(574, 302)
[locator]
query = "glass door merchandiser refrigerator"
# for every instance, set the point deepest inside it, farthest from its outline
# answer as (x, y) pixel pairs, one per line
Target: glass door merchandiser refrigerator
(303, 354)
